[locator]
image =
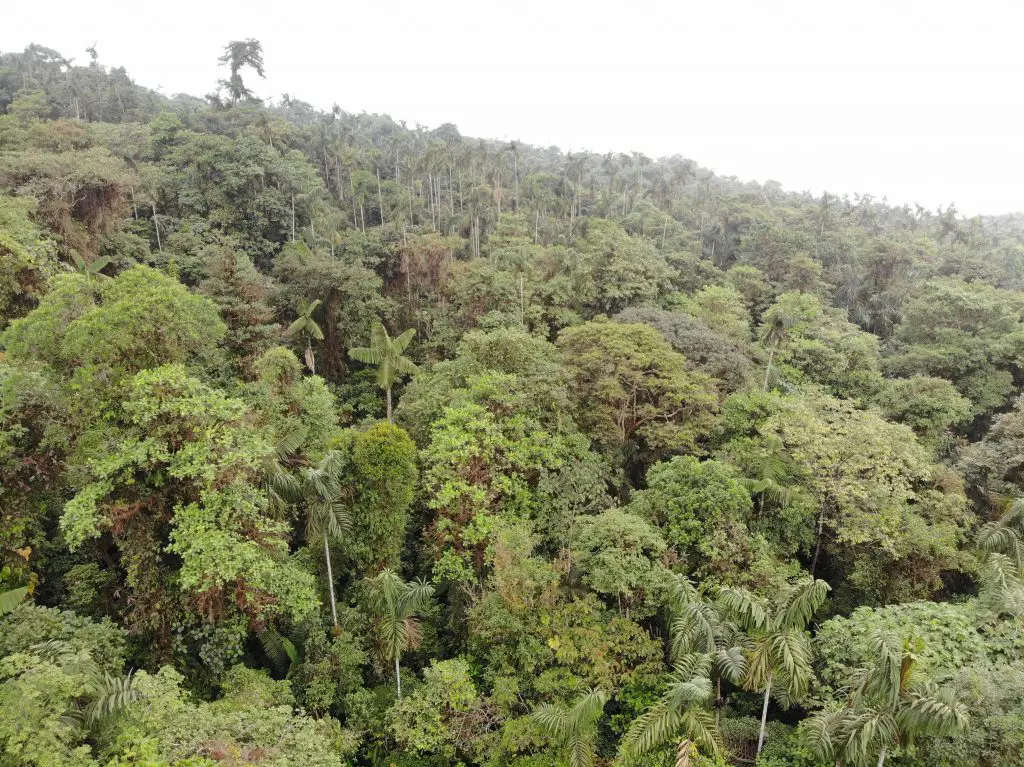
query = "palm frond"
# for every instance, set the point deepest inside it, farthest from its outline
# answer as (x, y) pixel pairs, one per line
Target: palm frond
(552, 719)
(580, 750)
(655, 726)
(801, 602)
(313, 329)
(401, 342)
(731, 664)
(589, 706)
(112, 696)
(933, 713)
(1001, 586)
(365, 354)
(748, 610)
(816, 732)
(406, 367)
(279, 649)
(866, 732)
(12, 598)
(379, 338)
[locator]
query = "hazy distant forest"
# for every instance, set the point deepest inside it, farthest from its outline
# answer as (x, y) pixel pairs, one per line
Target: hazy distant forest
(329, 441)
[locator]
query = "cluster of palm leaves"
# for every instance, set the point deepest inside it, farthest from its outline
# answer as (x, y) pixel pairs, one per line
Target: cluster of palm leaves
(574, 729)
(734, 637)
(1002, 573)
(105, 694)
(889, 705)
(396, 606)
(386, 353)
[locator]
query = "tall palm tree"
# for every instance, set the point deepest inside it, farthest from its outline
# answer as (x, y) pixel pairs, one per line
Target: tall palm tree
(396, 606)
(326, 516)
(889, 705)
(697, 625)
(574, 728)
(779, 660)
(306, 327)
(767, 476)
(773, 335)
(386, 353)
(682, 712)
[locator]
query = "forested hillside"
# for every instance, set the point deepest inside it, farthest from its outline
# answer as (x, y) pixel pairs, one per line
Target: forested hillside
(329, 441)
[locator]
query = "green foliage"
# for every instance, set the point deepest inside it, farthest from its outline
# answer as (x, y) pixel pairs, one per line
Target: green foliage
(994, 735)
(702, 509)
(141, 319)
(436, 718)
(177, 481)
(636, 396)
(589, 507)
(255, 720)
(27, 258)
(821, 346)
(967, 333)
(485, 461)
(929, 406)
(882, 504)
(30, 625)
(619, 554)
(950, 632)
(719, 356)
(889, 705)
(721, 308)
(384, 475)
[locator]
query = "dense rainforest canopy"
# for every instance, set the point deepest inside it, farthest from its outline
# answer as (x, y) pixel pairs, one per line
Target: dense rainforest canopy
(329, 441)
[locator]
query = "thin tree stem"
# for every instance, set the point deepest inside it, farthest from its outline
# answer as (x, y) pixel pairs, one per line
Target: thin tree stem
(330, 581)
(764, 715)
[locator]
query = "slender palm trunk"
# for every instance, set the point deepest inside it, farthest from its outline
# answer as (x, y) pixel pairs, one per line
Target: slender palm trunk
(390, 419)
(881, 757)
(817, 544)
(764, 715)
(768, 370)
(330, 581)
(398, 677)
(718, 701)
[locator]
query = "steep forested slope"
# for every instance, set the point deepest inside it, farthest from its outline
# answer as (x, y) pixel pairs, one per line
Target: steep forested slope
(325, 440)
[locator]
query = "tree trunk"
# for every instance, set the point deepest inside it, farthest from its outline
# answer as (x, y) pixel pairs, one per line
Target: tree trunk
(881, 757)
(398, 677)
(684, 752)
(330, 581)
(380, 199)
(156, 226)
(764, 715)
(768, 370)
(817, 544)
(390, 419)
(522, 303)
(293, 216)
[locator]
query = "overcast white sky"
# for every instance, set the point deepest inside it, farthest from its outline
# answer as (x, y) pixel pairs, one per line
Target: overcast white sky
(916, 101)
